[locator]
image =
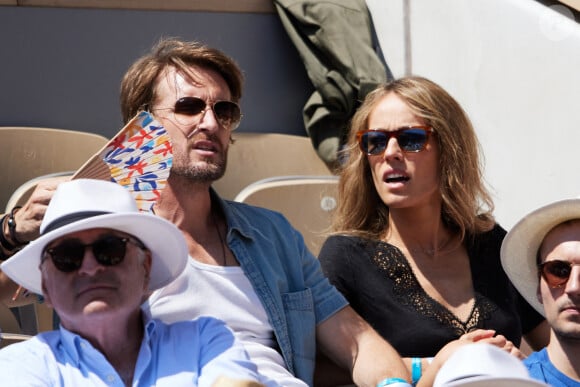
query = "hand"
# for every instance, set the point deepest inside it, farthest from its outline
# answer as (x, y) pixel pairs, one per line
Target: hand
(477, 336)
(471, 337)
(501, 342)
(29, 217)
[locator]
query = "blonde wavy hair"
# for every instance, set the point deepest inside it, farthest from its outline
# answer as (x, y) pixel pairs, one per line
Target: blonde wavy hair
(467, 206)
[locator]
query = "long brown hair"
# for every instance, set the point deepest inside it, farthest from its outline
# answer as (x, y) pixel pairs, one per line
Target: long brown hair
(138, 84)
(466, 204)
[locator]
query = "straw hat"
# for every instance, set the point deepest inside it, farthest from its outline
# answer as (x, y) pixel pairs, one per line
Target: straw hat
(520, 246)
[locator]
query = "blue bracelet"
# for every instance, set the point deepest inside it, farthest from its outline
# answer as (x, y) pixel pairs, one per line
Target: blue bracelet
(415, 370)
(394, 382)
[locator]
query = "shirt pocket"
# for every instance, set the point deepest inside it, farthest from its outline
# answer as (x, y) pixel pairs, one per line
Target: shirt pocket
(301, 319)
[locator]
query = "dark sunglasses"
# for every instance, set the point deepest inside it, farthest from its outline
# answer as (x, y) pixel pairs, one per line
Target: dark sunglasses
(556, 272)
(410, 139)
(108, 250)
(188, 109)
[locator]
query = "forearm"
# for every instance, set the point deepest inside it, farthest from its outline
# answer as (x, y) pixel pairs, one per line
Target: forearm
(351, 343)
(377, 360)
(20, 226)
(8, 289)
(10, 243)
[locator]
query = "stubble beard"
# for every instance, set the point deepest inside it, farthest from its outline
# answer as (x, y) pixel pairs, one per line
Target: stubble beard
(204, 171)
(566, 333)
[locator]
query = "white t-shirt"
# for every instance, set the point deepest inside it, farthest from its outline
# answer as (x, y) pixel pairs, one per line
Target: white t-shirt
(224, 293)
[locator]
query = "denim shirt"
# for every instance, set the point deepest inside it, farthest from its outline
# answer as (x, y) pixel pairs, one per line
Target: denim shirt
(287, 278)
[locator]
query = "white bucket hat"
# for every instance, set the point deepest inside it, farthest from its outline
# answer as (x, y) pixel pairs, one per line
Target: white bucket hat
(519, 249)
(484, 365)
(85, 204)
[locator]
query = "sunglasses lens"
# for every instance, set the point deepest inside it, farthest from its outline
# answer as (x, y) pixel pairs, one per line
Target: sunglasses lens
(373, 142)
(556, 273)
(228, 114)
(189, 106)
(412, 140)
(187, 110)
(68, 255)
(110, 250)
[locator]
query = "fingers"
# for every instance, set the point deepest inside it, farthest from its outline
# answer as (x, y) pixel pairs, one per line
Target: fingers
(478, 334)
(29, 217)
(502, 343)
(466, 338)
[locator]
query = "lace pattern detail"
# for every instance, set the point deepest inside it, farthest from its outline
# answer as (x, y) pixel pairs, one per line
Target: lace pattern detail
(409, 292)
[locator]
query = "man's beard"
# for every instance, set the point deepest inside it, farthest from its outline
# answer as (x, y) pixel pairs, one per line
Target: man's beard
(204, 172)
(568, 331)
(565, 336)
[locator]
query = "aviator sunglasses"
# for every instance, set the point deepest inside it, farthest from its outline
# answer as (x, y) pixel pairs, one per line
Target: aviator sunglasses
(108, 250)
(188, 109)
(556, 272)
(410, 139)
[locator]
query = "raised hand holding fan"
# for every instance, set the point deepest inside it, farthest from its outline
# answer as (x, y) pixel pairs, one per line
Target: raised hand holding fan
(139, 158)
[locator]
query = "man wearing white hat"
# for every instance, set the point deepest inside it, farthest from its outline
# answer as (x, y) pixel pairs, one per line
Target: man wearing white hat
(96, 260)
(541, 255)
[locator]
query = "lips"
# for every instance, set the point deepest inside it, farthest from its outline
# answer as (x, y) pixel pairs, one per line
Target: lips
(205, 145)
(85, 285)
(571, 308)
(395, 177)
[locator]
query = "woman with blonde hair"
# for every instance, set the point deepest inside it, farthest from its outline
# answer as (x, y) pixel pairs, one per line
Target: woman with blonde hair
(415, 247)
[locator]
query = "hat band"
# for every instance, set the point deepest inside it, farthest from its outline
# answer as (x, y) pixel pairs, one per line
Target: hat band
(71, 218)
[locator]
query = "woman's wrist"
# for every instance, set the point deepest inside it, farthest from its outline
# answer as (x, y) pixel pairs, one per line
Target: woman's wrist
(416, 370)
(417, 367)
(393, 382)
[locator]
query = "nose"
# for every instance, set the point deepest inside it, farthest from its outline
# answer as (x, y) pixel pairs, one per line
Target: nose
(573, 284)
(392, 151)
(208, 119)
(89, 265)
(207, 122)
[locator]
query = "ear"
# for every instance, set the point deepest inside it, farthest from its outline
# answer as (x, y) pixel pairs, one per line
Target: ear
(147, 262)
(45, 294)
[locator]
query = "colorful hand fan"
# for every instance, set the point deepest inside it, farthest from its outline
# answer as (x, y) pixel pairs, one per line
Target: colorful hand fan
(139, 158)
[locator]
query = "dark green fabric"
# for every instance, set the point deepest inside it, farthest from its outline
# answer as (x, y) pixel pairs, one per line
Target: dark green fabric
(335, 40)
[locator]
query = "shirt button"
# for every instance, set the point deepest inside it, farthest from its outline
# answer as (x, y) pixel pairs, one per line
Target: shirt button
(110, 378)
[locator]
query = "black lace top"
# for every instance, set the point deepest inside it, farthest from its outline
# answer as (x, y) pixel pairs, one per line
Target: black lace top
(378, 282)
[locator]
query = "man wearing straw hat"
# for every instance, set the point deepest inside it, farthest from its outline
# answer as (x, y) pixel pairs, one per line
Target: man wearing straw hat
(541, 255)
(96, 260)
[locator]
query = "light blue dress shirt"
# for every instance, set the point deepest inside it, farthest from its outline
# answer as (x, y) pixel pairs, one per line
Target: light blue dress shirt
(189, 353)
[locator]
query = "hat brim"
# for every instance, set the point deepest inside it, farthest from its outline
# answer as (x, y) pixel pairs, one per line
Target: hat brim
(486, 381)
(164, 240)
(520, 246)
